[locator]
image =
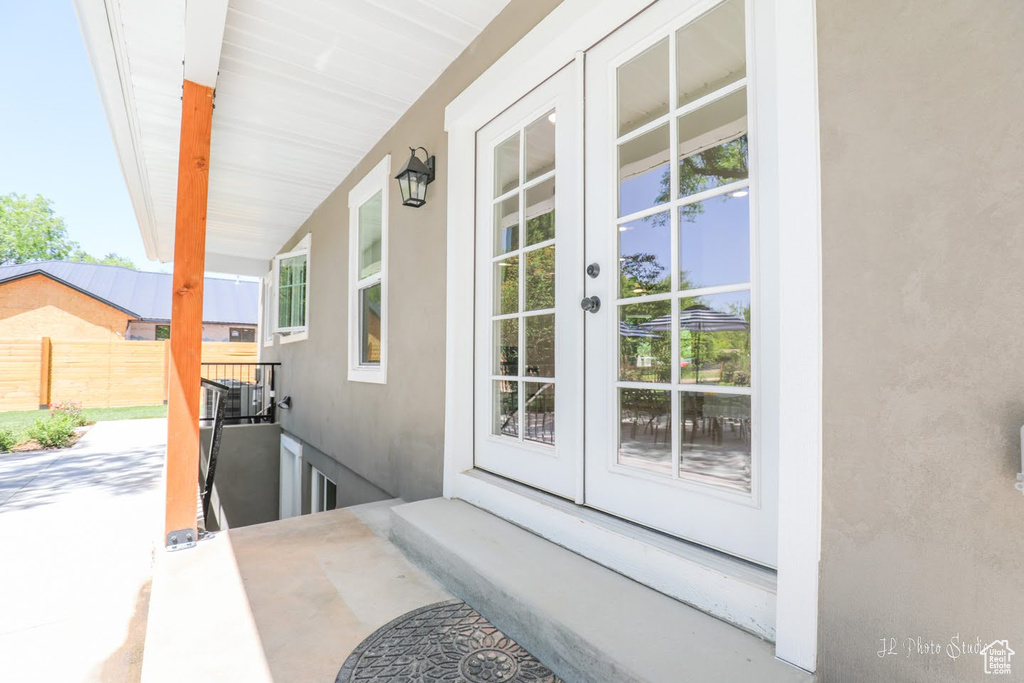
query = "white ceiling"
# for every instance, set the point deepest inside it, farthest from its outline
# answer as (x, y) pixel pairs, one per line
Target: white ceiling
(306, 87)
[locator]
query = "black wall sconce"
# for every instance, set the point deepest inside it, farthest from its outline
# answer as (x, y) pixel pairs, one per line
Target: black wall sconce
(414, 178)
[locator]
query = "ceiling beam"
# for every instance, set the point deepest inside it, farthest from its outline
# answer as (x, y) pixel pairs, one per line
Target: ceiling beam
(204, 36)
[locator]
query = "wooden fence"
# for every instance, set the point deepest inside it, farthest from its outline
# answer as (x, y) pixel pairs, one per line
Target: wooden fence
(98, 374)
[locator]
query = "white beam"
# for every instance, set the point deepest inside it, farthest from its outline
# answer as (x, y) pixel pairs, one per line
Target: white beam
(204, 35)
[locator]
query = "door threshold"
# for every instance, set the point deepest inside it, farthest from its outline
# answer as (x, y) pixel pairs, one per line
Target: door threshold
(734, 590)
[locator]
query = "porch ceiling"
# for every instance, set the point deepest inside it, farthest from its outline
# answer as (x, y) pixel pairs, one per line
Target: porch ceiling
(306, 87)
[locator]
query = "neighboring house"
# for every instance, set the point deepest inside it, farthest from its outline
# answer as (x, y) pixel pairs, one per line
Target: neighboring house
(836, 184)
(70, 300)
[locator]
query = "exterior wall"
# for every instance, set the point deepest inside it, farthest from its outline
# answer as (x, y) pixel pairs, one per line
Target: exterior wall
(248, 477)
(393, 434)
(922, 196)
(37, 306)
(352, 489)
(146, 331)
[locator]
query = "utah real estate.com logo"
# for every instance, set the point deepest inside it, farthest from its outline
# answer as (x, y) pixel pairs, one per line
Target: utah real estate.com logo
(997, 657)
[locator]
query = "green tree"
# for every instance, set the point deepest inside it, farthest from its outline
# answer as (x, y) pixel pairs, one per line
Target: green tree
(111, 259)
(30, 230)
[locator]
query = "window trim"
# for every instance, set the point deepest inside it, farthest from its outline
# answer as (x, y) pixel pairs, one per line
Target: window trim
(296, 333)
(318, 490)
(266, 326)
(376, 180)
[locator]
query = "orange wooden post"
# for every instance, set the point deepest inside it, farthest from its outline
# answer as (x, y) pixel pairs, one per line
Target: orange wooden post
(44, 373)
(187, 316)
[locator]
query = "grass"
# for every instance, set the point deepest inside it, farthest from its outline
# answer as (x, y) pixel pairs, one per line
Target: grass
(21, 420)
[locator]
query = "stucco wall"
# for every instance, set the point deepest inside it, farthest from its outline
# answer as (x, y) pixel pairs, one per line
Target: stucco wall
(390, 434)
(248, 476)
(923, 261)
(37, 306)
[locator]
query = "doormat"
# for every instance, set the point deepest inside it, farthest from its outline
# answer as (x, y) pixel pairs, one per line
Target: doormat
(447, 641)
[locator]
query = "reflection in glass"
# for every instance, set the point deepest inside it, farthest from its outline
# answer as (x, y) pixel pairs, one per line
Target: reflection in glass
(714, 440)
(643, 87)
(645, 342)
(506, 353)
(540, 212)
(291, 310)
(540, 278)
(540, 146)
(539, 412)
(540, 345)
(714, 339)
(506, 285)
(506, 165)
(713, 145)
(369, 236)
(710, 52)
(714, 242)
(643, 171)
(645, 256)
(645, 429)
(506, 225)
(369, 325)
(506, 408)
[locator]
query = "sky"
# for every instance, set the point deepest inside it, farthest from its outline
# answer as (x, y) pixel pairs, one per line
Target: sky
(54, 138)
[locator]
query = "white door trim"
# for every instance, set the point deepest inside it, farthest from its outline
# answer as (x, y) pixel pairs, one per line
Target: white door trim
(786, 28)
(290, 487)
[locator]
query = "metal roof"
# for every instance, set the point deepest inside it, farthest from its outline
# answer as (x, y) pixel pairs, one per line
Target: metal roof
(146, 295)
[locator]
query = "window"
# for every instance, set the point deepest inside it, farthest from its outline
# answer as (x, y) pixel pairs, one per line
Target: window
(292, 289)
(323, 493)
(241, 334)
(267, 308)
(162, 332)
(368, 249)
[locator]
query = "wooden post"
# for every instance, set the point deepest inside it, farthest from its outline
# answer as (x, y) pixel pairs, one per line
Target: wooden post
(44, 373)
(187, 316)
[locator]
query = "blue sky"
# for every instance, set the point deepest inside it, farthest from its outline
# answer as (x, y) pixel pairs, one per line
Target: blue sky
(54, 138)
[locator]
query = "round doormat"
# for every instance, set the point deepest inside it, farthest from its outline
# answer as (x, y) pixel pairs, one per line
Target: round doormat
(447, 641)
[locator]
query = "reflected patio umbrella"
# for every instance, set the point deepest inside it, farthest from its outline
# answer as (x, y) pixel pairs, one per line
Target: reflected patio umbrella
(698, 319)
(635, 332)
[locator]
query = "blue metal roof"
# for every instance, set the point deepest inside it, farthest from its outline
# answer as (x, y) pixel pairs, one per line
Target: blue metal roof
(146, 295)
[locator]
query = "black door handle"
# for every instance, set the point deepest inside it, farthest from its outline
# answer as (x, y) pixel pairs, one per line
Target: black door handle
(591, 303)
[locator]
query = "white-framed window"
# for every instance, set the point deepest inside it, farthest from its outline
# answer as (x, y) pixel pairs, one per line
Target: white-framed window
(368, 276)
(267, 309)
(291, 292)
(323, 494)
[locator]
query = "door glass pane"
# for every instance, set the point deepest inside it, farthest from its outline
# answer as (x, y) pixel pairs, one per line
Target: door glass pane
(540, 345)
(540, 212)
(506, 166)
(714, 440)
(540, 146)
(506, 285)
(506, 353)
(330, 495)
(645, 256)
(643, 171)
(713, 145)
(506, 225)
(369, 236)
(645, 342)
(506, 408)
(714, 242)
(540, 278)
(369, 325)
(645, 429)
(643, 87)
(539, 424)
(710, 52)
(714, 339)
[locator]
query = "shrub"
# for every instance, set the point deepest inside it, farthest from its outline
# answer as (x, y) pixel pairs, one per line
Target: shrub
(71, 409)
(53, 432)
(7, 440)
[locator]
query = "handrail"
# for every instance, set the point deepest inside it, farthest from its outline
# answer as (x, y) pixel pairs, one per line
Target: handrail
(221, 390)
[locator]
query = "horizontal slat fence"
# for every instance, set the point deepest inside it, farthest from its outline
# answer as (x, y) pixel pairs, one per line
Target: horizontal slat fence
(98, 374)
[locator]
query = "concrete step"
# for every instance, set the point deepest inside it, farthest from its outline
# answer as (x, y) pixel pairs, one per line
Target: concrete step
(584, 621)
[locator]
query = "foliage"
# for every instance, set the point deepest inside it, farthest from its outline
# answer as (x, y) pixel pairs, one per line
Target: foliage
(53, 432)
(714, 167)
(71, 410)
(8, 439)
(111, 259)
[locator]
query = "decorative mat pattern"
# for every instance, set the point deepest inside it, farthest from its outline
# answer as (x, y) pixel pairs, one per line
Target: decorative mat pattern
(447, 641)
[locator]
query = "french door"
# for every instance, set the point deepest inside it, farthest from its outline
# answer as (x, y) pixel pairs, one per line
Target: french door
(662, 301)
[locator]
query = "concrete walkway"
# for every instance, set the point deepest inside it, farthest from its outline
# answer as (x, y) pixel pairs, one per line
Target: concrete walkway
(79, 529)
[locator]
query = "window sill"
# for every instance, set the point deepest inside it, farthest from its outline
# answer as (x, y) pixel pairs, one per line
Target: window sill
(293, 337)
(368, 375)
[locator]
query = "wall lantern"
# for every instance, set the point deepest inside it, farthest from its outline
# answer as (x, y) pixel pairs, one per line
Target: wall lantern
(414, 178)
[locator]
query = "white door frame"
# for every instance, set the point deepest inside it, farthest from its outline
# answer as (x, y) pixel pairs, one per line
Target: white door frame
(785, 33)
(290, 494)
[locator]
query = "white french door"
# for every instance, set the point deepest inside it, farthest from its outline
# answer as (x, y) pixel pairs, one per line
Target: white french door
(654, 290)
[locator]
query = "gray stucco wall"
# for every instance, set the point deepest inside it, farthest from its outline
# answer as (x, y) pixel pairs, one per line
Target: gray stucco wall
(393, 434)
(352, 489)
(248, 477)
(921, 107)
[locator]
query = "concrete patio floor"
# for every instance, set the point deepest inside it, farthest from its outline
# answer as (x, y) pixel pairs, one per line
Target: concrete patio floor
(79, 529)
(285, 601)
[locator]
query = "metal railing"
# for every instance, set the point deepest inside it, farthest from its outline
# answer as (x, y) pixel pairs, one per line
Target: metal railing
(219, 392)
(248, 392)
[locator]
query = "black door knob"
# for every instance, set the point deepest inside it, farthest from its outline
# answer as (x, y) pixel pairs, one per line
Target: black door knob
(591, 303)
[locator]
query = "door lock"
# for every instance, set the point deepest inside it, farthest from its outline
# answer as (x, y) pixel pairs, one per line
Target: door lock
(593, 270)
(591, 303)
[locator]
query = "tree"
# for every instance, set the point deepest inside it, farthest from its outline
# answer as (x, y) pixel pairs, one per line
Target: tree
(111, 259)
